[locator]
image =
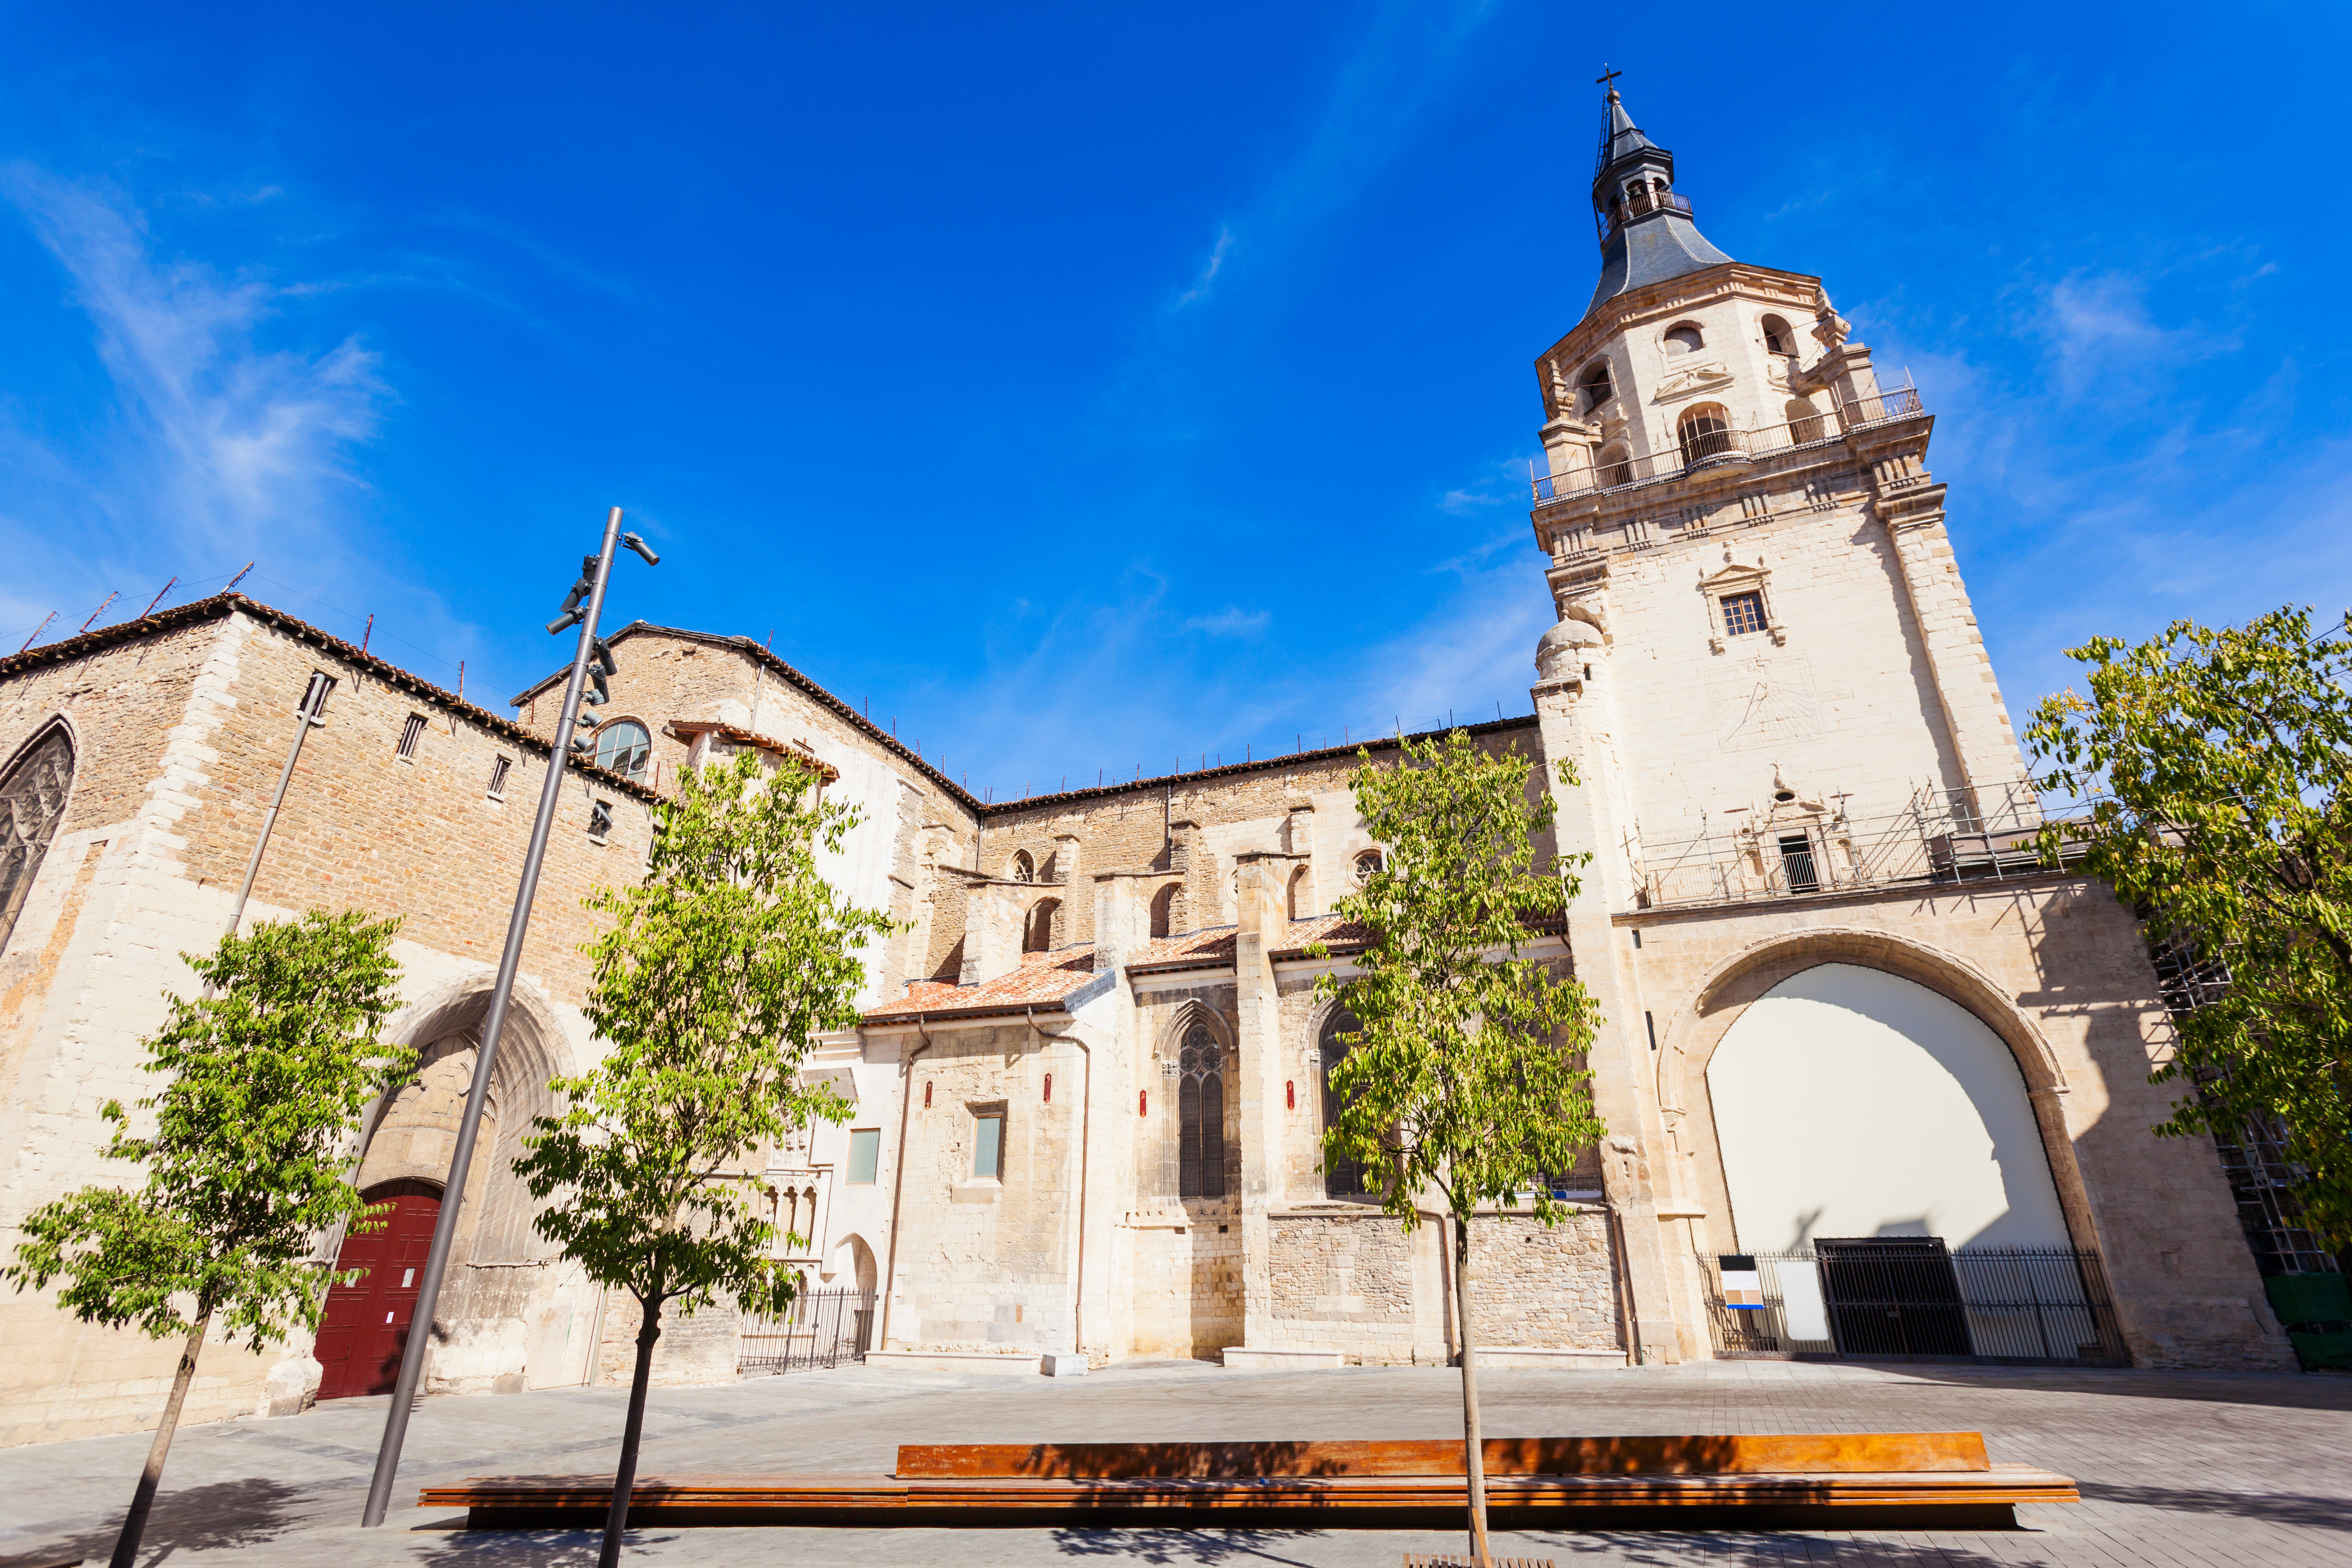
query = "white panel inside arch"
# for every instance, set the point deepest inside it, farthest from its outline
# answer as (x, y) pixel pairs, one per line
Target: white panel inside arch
(1849, 1101)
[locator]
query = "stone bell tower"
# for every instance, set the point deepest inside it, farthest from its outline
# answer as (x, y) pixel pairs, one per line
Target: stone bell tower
(1794, 761)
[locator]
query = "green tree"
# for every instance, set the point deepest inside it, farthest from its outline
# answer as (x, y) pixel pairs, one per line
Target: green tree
(1464, 1075)
(2214, 761)
(718, 969)
(266, 1075)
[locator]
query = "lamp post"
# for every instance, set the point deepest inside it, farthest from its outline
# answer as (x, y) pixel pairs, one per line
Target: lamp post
(597, 570)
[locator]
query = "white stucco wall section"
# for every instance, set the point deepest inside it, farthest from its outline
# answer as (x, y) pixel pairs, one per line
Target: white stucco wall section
(1853, 1103)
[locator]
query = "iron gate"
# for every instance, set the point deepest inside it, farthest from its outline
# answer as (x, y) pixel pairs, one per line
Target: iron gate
(821, 1328)
(1906, 1298)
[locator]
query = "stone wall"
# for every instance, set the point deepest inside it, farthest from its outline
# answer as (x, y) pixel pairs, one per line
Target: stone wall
(182, 730)
(1545, 1288)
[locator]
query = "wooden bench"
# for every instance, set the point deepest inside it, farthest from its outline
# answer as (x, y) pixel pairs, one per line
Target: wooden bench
(1857, 1481)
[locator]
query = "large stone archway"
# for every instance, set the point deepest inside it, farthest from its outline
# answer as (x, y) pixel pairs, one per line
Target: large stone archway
(1850, 1102)
(1692, 1036)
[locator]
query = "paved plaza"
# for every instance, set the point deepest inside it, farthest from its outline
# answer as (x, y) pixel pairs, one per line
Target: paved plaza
(2176, 1467)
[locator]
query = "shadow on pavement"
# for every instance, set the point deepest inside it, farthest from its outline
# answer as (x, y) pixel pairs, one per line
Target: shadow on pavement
(1766, 1549)
(222, 1516)
(1182, 1546)
(530, 1548)
(2278, 1508)
(2283, 1390)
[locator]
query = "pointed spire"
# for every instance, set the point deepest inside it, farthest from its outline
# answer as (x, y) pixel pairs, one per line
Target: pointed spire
(1621, 135)
(1645, 230)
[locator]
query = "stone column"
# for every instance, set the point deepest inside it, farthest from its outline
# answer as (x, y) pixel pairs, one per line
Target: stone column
(1577, 721)
(1256, 1078)
(992, 932)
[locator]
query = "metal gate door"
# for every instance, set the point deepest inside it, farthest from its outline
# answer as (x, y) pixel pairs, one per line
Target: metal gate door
(821, 1328)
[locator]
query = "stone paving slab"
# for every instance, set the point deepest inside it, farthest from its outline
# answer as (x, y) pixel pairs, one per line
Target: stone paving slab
(2178, 1470)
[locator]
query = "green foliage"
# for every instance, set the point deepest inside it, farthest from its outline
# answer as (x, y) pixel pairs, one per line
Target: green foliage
(266, 1078)
(2216, 760)
(1466, 1073)
(718, 969)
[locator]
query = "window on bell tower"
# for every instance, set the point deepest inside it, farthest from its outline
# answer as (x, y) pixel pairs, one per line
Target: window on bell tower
(1743, 613)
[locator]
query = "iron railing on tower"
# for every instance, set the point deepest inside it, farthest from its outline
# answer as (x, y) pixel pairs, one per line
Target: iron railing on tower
(1676, 455)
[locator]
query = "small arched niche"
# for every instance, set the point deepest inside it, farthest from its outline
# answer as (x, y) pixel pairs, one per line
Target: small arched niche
(1167, 910)
(1853, 1102)
(1684, 338)
(1037, 931)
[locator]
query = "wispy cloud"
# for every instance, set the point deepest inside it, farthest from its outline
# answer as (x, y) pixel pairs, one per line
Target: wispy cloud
(215, 442)
(1231, 623)
(1200, 287)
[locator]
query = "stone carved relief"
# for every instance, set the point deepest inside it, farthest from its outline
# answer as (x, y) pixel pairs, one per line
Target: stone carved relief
(1698, 378)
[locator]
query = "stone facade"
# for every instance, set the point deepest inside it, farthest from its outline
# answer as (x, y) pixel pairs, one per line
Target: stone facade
(1791, 754)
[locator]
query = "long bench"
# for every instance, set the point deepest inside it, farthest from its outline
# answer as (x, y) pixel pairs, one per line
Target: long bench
(1854, 1481)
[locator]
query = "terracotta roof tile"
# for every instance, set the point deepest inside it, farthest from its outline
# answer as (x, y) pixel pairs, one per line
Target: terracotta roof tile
(1044, 978)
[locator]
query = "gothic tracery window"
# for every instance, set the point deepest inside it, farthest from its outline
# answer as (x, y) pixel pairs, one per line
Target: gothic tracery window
(1200, 1115)
(1367, 864)
(32, 799)
(1024, 869)
(1341, 1178)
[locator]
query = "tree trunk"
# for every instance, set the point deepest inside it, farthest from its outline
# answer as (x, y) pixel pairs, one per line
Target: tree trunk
(625, 1477)
(135, 1524)
(1473, 1451)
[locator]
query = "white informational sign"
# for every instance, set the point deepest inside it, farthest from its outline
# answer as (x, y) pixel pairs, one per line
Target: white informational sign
(1743, 1288)
(1802, 1312)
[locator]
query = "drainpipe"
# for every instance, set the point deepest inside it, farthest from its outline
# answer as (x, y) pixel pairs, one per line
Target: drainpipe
(1624, 1283)
(1086, 1132)
(899, 1183)
(310, 714)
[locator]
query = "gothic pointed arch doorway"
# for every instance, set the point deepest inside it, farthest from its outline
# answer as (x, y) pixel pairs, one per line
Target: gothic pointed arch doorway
(366, 1324)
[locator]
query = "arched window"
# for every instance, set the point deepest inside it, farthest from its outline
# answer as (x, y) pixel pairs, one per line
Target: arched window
(1684, 339)
(32, 799)
(1367, 863)
(1637, 197)
(1200, 1116)
(1302, 896)
(1778, 339)
(622, 746)
(1615, 468)
(1038, 935)
(1341, 1178)
(1024, 868)
(1167, 909)
(1594, 385)
(1705, 431)
(1804, 421)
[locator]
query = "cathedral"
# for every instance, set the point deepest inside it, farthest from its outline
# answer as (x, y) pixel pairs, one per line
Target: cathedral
(1874, 1079)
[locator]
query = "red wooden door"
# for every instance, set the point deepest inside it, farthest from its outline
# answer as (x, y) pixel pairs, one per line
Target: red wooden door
(366, 1323)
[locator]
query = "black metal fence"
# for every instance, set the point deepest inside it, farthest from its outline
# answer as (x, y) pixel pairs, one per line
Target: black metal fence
(1905, 1297)
(822, 1329)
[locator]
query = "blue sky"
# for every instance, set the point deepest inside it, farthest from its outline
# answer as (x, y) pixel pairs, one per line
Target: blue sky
(1085, 387)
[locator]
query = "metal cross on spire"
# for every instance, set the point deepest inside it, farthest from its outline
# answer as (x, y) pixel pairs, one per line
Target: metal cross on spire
(1607, 78)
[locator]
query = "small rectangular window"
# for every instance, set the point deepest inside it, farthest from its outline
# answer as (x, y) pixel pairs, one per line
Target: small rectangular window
(408, 733)
(1742, 614)
(600, 820)
(988, 1147)
(498, 777)
(1797, 860)
(865, 1155)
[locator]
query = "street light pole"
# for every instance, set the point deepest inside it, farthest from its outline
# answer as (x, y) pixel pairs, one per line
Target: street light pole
(444, 1228)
